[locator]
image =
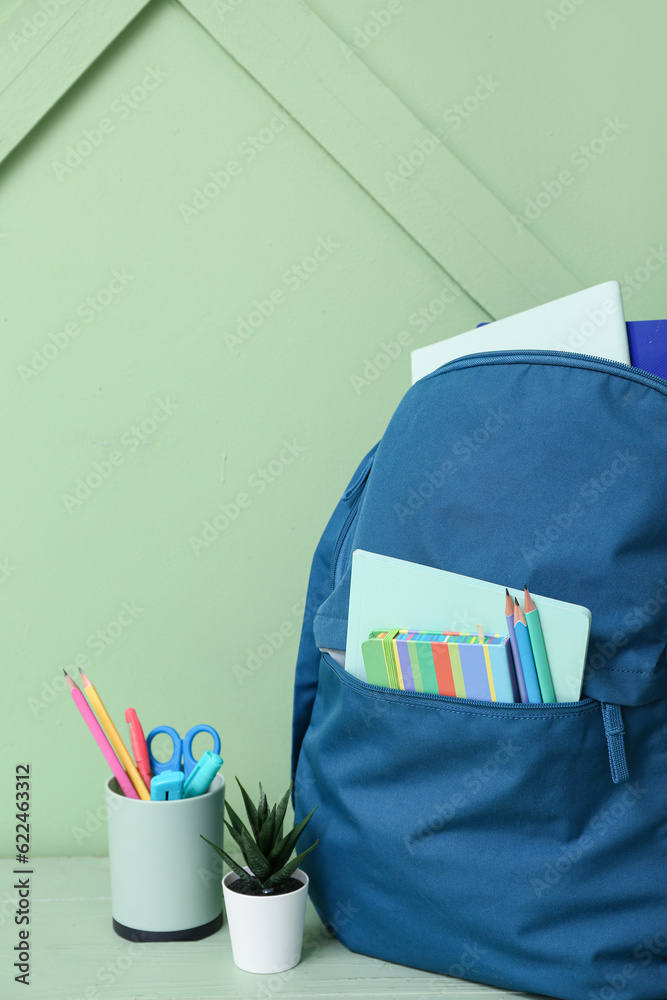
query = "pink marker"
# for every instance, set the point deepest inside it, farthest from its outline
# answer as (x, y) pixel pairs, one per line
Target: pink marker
(139, 748)
(100, 738)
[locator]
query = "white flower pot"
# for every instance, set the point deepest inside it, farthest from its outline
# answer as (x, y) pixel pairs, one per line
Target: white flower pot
(266, 931)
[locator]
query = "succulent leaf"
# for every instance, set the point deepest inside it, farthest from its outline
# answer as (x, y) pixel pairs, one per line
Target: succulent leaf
(288, 869)
(262, 808)
(250, 809)
(281, 809)
(238, 837)
(267, 833)
(254, 858)
(282, 850)
(241, 872)
(235, 819)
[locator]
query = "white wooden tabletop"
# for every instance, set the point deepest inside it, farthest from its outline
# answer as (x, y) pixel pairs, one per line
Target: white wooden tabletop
(77, 956)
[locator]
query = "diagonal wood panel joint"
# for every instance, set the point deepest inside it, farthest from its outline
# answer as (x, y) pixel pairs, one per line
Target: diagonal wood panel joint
(364, 126)
(354, 116)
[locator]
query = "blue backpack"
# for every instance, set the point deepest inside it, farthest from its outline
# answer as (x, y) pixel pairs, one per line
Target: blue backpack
(523, 846)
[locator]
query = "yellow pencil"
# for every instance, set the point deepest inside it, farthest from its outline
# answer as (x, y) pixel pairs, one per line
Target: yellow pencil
(114, 738)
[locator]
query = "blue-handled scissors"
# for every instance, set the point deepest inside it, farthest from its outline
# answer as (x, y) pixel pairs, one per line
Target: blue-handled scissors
(181, 757)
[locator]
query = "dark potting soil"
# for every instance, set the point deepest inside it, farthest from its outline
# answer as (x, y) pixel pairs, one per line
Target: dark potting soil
(289, 885)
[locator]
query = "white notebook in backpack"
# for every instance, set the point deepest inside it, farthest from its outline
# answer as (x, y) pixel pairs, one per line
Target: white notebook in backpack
(587, 322)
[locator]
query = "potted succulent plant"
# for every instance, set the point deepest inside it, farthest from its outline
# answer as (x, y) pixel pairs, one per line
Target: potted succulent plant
(266, 899)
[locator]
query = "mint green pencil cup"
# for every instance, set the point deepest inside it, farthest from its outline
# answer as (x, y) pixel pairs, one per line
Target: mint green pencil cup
(165, 880)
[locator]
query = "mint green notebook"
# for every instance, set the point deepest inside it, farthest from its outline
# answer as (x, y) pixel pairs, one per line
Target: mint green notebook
(408, 595)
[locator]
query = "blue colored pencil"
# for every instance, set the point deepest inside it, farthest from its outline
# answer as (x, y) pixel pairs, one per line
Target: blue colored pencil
(526, 653)
(517, 681)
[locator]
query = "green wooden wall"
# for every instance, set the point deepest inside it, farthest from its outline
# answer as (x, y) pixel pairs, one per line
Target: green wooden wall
(223, 226)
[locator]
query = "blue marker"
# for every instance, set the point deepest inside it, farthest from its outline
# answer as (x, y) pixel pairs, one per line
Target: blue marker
(205, 771)
(167, 786)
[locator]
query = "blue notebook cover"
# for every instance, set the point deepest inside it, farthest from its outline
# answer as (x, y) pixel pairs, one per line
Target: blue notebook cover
(648, 345)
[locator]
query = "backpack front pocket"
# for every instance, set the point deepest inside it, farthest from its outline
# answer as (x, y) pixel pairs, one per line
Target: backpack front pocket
(490, 831)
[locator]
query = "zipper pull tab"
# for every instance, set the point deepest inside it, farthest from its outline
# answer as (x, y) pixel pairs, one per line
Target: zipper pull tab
(614, 730)
(355, 487)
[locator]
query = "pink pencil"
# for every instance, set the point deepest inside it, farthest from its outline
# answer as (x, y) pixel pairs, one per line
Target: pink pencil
(100, 738)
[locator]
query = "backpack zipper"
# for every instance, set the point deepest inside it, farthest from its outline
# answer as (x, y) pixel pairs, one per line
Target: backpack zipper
(614, 730)
(353, 493)
(587, 361)
(341, 538)
(490, 706)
